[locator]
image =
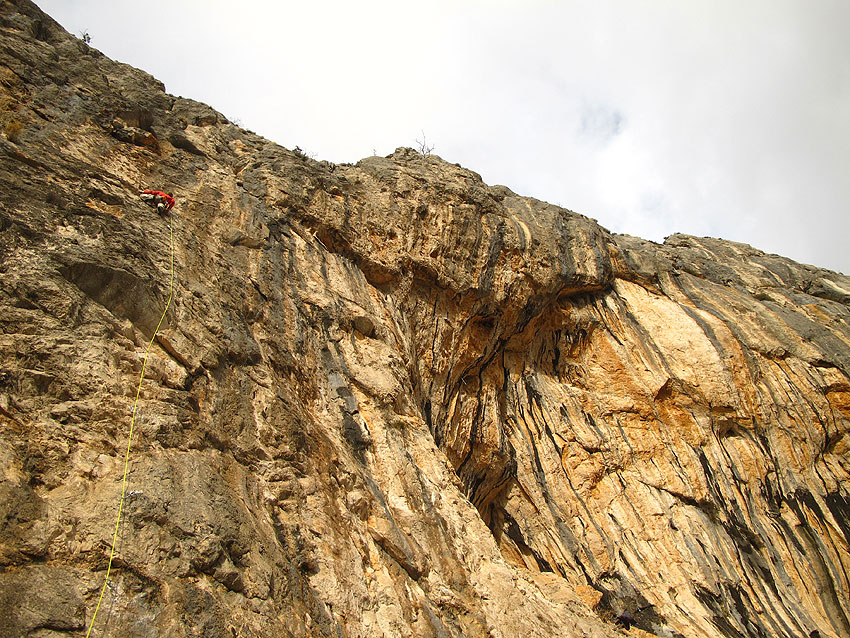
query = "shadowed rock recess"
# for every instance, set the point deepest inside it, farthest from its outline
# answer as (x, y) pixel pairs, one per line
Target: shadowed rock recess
(388, 399)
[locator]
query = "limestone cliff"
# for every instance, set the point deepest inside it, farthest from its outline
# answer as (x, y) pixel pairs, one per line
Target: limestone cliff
(388, 399)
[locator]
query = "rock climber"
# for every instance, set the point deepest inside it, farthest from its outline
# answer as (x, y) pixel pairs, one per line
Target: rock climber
(164, 202)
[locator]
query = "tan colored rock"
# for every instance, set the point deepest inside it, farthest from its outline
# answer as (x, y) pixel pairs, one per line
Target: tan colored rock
(388, 399)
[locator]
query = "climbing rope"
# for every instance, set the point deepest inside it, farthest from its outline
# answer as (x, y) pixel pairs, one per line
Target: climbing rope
(130, 438)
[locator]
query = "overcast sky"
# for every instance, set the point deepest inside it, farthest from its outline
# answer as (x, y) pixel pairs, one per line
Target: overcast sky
(722, 118)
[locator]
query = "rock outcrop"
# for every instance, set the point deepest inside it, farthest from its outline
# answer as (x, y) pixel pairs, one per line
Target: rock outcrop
(388, 399)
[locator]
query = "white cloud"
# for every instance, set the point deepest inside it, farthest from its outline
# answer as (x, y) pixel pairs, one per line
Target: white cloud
(723, 118)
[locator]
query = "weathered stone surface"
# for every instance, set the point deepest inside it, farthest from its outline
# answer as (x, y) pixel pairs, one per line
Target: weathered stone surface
(388, 399)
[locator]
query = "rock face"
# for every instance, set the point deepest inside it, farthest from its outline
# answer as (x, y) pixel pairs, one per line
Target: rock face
(388, 399)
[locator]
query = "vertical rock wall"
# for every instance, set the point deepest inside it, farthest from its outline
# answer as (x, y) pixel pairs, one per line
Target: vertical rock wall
(388, 399)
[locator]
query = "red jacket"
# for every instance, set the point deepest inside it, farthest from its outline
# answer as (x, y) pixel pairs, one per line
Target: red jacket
(168, 199)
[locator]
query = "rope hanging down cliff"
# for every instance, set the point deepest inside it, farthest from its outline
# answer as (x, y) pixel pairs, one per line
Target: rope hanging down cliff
(135, 403)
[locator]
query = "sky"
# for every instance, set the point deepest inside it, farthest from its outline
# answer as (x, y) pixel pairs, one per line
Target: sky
(709, 117)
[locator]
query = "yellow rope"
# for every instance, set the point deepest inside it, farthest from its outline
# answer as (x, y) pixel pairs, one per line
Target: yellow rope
(130, 438)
